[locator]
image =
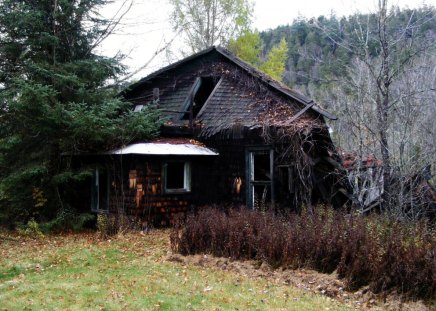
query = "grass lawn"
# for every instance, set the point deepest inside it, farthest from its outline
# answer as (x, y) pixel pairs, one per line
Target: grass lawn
(80, 271)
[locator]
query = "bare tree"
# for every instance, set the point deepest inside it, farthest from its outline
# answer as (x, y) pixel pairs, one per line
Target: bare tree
(210, 22)
(386, 105)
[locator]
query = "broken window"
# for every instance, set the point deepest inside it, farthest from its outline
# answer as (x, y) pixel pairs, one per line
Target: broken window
(199, 94)
(177, 176)
(100, 191)
(260, 176)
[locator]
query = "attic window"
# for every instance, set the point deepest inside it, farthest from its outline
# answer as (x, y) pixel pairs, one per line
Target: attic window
(198, 96)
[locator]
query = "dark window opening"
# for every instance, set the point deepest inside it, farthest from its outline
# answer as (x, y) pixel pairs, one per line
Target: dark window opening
(260, 175)
(261, 163)
(200, 95)
(177, 177)
(100, 191)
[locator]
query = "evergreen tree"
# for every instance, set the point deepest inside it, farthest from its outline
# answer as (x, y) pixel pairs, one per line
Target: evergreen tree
(55, 100)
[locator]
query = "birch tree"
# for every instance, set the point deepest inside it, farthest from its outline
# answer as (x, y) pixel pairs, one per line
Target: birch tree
(205, 23)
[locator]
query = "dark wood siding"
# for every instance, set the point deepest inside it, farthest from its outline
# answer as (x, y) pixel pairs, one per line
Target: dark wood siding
(148, 200)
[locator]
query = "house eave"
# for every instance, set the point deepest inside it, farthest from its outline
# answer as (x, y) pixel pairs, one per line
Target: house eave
(164, 149)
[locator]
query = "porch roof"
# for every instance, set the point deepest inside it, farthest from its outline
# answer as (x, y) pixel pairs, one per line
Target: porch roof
(159, 148)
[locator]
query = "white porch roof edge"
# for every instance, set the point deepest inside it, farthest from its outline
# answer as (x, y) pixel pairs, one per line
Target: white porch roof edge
(165, 149)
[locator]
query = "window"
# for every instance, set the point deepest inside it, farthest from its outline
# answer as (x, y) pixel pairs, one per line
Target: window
(100, 191)
(198, 96)
(138, 108)
(260, 177)
(177, 176)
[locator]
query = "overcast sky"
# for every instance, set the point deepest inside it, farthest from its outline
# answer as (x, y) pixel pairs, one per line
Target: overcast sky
(145, 28)
(271, 13)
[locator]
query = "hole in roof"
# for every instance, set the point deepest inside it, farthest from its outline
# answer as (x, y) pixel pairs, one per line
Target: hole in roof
(201, 94)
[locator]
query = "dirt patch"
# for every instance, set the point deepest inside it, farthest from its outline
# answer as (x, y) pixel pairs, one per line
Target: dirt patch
(309, 280)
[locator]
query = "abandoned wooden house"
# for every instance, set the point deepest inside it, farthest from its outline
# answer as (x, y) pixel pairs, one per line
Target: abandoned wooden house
(413, 195)
(231, 135)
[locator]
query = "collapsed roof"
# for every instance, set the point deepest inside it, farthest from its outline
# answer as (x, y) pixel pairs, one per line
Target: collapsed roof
(239, 94)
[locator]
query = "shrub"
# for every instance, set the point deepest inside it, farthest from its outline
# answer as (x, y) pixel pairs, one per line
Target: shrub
(67, 219)
(370, 250)
(390, 255)
(31, 229)
(112, 224)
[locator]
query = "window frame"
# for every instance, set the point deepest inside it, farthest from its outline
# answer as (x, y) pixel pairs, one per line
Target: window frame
(250, 153)
(96, 184)
(186, 177)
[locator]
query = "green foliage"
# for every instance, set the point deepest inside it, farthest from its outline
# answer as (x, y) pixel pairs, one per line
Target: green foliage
(275, 63)
(210, 22)
(67, 219)
(81, 272)
(31, 229)
(102, 225)
(55, 100)
(247, 47)
(316, 52)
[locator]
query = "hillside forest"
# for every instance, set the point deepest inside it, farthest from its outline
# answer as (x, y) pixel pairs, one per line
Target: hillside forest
(329, 59)
(377, 73)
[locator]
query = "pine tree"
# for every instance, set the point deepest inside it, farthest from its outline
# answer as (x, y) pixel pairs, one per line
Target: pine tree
(55, 100)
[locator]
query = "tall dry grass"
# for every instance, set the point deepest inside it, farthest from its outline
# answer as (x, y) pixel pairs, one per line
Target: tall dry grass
(369, 250)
